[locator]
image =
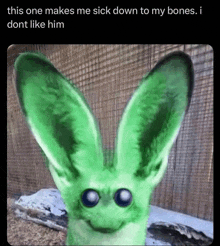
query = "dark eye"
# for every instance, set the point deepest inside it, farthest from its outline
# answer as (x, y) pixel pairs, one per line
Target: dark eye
(123, 197)
(90, 198)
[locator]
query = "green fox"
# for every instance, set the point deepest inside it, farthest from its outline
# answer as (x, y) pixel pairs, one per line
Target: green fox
(107, 203)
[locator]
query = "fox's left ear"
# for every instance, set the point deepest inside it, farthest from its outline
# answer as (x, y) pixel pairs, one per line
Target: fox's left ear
(153, 116)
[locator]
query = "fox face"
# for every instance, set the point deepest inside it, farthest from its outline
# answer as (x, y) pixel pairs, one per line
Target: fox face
(107, 201)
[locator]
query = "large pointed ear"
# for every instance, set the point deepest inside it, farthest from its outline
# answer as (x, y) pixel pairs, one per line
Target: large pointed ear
(59, 118)
(153, 116)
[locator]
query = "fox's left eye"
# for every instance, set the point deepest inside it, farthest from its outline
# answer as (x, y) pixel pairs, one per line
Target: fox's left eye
(90, 198)
(123, 197)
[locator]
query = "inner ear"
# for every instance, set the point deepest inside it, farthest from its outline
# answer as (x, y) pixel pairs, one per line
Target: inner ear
(151, 170)
(147, 143)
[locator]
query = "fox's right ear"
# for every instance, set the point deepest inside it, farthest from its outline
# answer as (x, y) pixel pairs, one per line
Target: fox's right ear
(60, 119)
(153, 116)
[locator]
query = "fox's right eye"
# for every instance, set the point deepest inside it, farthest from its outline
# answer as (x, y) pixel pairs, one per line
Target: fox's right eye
(90, 198)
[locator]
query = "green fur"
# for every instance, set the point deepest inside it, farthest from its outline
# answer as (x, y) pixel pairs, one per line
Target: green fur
(68, 134)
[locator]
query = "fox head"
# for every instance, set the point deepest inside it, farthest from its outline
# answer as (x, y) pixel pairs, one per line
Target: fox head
(107, 203)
